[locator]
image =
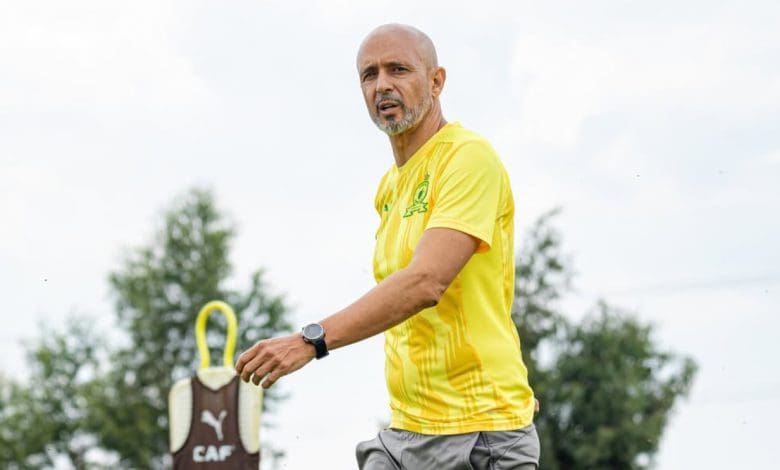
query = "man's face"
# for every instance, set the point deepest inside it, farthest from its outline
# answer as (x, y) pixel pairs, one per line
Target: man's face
(395, 82)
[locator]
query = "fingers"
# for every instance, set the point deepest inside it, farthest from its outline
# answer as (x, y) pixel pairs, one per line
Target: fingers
(253, 365)
(256, 369)
(262, 371)
(272, 378)
(269, 360)
(250, 360)
(245, 357)
(264, 358)
(254, 361)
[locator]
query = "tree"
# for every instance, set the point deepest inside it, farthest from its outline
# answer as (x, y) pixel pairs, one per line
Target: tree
(606, 389)
(159, 290)
(41, 422)
(542, 276)
(113, 399)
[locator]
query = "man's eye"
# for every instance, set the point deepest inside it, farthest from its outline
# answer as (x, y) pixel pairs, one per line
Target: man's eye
(399, 69)
(368, 76)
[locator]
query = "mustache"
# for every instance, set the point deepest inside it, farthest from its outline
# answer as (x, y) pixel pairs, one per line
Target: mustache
(389, 97)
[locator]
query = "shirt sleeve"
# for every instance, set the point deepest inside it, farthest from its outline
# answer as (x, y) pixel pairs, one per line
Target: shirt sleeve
(468, 193)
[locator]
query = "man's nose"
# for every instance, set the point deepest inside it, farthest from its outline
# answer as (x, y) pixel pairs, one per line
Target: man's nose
(383, 82)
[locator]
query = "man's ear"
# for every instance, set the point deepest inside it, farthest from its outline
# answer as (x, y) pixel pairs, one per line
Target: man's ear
(438, 78)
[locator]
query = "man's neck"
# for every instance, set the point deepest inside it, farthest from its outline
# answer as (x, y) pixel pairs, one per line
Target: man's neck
(406, 144)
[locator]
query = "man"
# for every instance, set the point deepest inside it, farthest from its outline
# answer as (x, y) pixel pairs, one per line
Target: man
(444, 264)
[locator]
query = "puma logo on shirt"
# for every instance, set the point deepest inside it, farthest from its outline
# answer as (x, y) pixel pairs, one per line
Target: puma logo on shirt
(208, 418)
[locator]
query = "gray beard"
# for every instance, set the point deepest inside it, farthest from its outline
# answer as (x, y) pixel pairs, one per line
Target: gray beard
(410, 118)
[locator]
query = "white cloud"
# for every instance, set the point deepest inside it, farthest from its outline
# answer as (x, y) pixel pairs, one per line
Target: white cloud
(772, 157)
(93, 54)
(565, 81)
(562, 85)
(20, 182)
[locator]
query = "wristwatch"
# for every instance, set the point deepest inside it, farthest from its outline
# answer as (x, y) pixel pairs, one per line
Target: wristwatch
(314, 334)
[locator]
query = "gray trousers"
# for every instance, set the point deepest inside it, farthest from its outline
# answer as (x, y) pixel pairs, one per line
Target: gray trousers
(394, 449)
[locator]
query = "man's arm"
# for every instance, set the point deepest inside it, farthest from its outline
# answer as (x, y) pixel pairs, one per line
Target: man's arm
(438, 258)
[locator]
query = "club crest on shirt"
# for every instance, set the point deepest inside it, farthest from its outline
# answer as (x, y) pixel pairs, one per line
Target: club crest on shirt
(418, 199)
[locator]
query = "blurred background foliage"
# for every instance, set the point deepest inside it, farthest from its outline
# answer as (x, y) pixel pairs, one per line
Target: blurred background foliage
(99, 399)
(606, 388)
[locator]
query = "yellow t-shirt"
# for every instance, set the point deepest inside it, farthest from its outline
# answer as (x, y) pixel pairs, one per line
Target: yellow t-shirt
(456, 367)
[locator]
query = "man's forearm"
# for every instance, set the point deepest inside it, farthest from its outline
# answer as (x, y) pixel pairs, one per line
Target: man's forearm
(395, 299)
(439, 257)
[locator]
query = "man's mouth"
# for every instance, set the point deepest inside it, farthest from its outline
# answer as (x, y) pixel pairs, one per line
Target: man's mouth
(387, 105)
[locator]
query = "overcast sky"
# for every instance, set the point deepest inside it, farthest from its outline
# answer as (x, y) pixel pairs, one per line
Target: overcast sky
(654, 125)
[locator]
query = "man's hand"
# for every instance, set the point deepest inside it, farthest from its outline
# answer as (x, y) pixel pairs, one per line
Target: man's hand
(275, 357)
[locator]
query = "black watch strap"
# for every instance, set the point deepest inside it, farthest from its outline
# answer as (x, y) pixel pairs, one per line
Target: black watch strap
(320, 347)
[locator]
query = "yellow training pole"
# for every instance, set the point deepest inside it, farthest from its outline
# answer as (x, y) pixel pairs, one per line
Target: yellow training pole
(200, 332)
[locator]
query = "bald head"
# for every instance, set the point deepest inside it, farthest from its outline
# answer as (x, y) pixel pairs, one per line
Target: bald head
(405, 36)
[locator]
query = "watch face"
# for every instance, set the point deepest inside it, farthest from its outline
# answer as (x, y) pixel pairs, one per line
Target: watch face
(312, 331)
